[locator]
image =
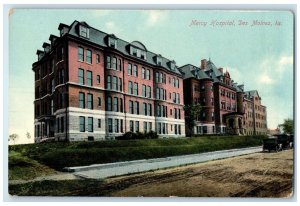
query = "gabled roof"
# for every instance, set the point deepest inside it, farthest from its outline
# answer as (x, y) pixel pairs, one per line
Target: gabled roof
(252, 93)
(190, 70)
(98, 37)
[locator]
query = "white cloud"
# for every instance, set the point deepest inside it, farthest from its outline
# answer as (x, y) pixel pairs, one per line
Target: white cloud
(112, 27)
(272, 68)
(286, 60)
(264, 78)
(155, 17)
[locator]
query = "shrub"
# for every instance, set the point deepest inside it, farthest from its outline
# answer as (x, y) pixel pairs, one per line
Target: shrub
(151, 135)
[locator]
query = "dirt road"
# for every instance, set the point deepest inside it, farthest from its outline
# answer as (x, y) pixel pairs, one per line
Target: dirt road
(254, 175)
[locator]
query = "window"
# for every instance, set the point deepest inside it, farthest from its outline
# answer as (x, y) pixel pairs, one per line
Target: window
(110, 126)
(107, 62)
(62, 126)
(119, 65)
(131, 107)
(112, 42)
(145, 109)
(149, 110)
(80, 54)
(114, 63)
(121, 105)
(81, 100)
(98, 79)
(116, 126)
(137, 108)
(89, 78)
(62, 76)
(99, 101)
(135, 71)
(137, 126)
(108, 83)
(129, 69)
(148, 74)
(143, 73)
(88, 56)
(80, 76)
(52, 107)
(130, 87)
(121, 125)
(90, 101)
(97, 58)
(120, 84)
(158, 60)
(131, 125)
(83, 31)
(82, 124)
(148, 91)
(143, 54)
(108, 103)
(150, 126)
(144, 90)
(90, 124)
(114, 83)
(116, 107)
(156, 77)
(145, 127)
(60, 54)
(136, 89)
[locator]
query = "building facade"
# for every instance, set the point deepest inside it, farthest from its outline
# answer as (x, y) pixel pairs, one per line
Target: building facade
(90, 85)
(225, 106)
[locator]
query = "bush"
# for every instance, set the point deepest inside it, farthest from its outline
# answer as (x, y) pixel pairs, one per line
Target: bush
(151, 135)
(138, 135)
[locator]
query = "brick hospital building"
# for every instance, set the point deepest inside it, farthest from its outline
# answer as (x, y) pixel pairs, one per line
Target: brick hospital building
(90, 85)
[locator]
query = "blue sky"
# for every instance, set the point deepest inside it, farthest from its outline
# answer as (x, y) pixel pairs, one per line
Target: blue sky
(261, 57)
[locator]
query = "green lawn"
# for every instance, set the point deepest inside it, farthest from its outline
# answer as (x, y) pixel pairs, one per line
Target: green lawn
(58, 155)
(61, 188)
(23, 168)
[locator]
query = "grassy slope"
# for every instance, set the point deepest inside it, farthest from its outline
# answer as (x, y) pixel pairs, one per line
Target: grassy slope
(61, 188)
(59, 155)
(24, 168)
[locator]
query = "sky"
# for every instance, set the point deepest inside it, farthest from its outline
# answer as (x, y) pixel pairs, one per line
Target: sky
(258, 56)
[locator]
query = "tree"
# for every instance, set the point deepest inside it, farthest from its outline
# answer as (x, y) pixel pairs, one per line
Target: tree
(28, 135)
(13, 137)
(288, 126)
(191, 113)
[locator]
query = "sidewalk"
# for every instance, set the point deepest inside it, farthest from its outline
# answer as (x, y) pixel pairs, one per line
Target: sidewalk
(123, 168)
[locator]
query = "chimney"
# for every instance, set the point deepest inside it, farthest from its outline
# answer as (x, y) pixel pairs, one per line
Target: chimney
(52, 39)
(203, 64)
(46, 47)
(221, 70)
(63, 28)
(40, 54)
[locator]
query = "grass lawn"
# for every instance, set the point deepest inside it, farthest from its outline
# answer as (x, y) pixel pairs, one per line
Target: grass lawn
(60, 188)
(23, 168)
(58, 155)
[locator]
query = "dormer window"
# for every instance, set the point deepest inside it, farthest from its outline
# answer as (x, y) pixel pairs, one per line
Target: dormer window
(159, 60)
(134, 52)
(172, 65)
(84, 31)
(112, 42)
(143, 54)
